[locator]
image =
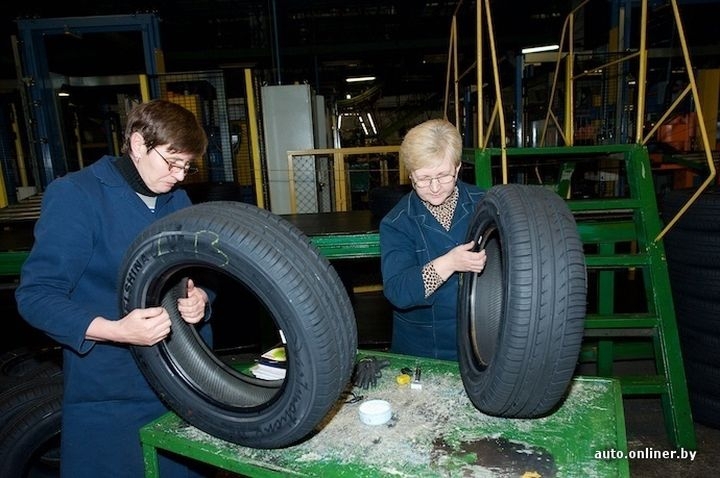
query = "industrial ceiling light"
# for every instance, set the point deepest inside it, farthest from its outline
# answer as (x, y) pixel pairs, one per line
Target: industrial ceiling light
(372, 123)
(362, 124)
(358, 79)
(538, 49)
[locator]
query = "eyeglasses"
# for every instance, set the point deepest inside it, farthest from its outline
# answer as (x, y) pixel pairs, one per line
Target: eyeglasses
(187, 168)
(426, 182)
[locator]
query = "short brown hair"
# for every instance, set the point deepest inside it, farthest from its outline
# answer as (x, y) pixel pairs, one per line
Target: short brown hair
(430, 143)
(163, 122)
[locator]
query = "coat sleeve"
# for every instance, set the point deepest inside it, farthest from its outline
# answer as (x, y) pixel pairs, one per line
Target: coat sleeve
(401, 254)
(62, 248)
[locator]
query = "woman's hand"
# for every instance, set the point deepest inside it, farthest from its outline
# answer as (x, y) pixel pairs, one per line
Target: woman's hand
(139, 327)
(192, 307)
(151, 325)
(460, 259)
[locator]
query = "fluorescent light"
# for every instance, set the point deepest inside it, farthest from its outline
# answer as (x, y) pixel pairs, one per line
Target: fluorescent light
(360, 78)
(538, 49)
(362, 123)
(372, 123)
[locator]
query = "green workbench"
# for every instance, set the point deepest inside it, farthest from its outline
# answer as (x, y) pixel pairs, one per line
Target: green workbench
(435, 431)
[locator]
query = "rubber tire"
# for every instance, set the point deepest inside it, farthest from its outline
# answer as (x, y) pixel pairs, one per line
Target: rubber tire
(702, 215)
(14, 399)
(705, 408)
(521, 321)
(302, 293)
(22, 364)
(699, 346)
(21, 361)
(693, 281)
(694, 248)
(702, 314)
(31, 439)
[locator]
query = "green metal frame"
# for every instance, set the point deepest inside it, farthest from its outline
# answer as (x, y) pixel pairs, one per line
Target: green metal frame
(11, 262)
(603, 224)
(333, 246)
(348, 246)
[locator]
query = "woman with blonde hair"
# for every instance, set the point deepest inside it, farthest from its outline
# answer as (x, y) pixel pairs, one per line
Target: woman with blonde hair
(423, 243)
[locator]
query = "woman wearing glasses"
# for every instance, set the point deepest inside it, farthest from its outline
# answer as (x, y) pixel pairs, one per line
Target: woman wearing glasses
(422, 243)
(69, 288)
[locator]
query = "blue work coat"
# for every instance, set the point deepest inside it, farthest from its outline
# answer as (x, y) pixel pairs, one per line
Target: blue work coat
(88, 220)
(410, 237)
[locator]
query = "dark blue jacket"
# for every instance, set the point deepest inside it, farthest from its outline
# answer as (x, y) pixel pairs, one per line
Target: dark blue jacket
(88, 220)
(410, 237)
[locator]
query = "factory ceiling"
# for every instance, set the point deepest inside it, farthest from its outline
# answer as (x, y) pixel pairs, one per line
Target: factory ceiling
(404, 43)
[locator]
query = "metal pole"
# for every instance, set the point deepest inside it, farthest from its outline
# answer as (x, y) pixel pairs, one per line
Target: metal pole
(519, 106)
(276, 43)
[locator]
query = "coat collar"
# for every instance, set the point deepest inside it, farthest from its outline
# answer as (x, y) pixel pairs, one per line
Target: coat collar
(107, 173)
(467, 201)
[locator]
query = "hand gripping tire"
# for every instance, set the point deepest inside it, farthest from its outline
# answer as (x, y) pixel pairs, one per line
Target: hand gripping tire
(521, 320)
(298, 287)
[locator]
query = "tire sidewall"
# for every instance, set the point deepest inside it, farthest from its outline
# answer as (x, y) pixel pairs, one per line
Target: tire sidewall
(161, 254)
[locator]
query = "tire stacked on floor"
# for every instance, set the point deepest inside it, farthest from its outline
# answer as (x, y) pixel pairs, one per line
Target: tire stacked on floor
(692, 246)
(31, 390)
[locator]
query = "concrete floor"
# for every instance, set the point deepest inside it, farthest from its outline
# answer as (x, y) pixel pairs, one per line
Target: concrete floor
(645, 429)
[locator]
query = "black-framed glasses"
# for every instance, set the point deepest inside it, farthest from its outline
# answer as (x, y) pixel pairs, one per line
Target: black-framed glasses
(187, 168)
(426, 182)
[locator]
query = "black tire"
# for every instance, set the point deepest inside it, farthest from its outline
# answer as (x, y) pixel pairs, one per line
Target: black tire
(30, 441)
(23, 394)
(702, 377)
(21, 361)
(21, 364)
(689, 280)
(702, 215)
(699, 313)
(521, 321)
(302, 293)
(705, 408)
(694, 248)
(699, 346)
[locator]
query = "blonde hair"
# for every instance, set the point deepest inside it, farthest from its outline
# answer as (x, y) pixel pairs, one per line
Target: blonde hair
(430, 143)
